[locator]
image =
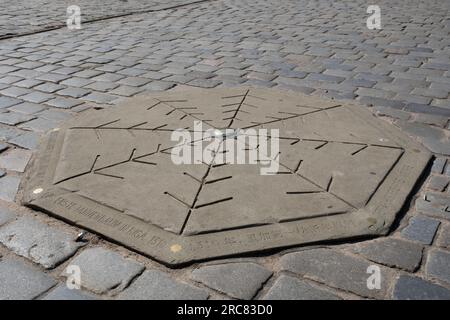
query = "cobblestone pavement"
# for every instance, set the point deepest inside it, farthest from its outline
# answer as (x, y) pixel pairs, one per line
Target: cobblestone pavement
(323, 48)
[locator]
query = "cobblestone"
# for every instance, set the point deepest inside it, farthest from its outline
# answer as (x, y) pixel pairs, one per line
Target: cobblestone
(233, 278)
(15, 159)
(290, 288)
(438, 265)
(38, 242)
(21, 282)
(393, 253)
(156, 285)
(337, 270)
(61, 292)
(103, 270)
(6, 215)
(412, 288)
(9, 185)
(421, 229)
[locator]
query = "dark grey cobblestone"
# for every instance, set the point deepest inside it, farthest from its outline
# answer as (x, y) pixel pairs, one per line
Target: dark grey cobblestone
(421, 229)
(438, 263)
(413, 288)
(392, 252)
(233, 278)
(156, 285)
(337, 270)
(290, 288)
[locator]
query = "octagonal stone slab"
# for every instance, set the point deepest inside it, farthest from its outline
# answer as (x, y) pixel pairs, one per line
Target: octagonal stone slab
(342, 173)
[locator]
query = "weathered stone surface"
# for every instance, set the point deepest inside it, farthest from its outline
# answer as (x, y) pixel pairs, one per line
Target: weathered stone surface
(434, 204)
(438, 183)
(337, 270)
(290, 288)
(61, 292)
(421, 229)
(444, 236)
(433, 138)
(392, 252)
(357, 191)
(438, 263)
(28, 140)
(9, 185)
(412, 288)
(35, 240)
(21, 282)
(103, 270)
(239, 280)
(156, 285)
(15, 159)
(6, 215)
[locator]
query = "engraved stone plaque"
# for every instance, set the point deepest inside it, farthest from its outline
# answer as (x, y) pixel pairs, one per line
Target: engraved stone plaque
(342, 173)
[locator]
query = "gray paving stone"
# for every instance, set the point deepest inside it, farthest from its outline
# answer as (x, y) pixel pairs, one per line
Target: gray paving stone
(28, 83)
(439, 165)
(64, 103)
(158, 86)
(40, 125)
(103, 270)
(134, 81)
(14, 118)
(438, 263)
(421, 229)
(126, 91)
(423, 108)
(52, 77)
(239, 280)
(21, 282)
(156, 285)
(34, 240)
(102, 86)
(27, 108)
(392, 253)
(433, 138)
(374, 101)
(391, 112)
(49, 87)
(77, 82)
(100, 98)
(2, 173)
(6, 215)
(412, 288)
(73, 92)
(37, 97)
(9, 185)
(61, 292)
(290, 288)
(15, 159)
(438, 183)
(337, 270)
(438, 121)
(14, 92)
(28, 140)
(324, 77)
(434, 204)
(444, 236)
(6, 102)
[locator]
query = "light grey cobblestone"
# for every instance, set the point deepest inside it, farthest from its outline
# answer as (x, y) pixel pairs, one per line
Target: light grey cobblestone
(38, 242)
(104, 270)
